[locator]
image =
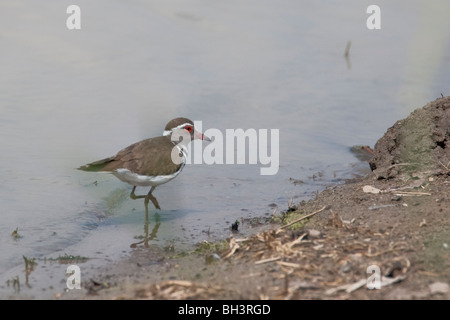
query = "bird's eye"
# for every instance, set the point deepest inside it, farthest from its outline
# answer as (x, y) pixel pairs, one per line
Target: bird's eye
(188, 129)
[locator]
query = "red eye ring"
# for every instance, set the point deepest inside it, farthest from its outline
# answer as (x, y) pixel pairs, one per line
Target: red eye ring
(188, 128)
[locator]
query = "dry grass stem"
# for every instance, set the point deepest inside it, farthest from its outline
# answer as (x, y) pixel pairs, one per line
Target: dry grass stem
(302, 218)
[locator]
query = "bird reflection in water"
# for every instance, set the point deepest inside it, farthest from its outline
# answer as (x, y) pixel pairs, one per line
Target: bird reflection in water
(147, 237)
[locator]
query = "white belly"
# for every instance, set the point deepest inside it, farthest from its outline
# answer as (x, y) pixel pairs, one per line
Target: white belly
(143, 181)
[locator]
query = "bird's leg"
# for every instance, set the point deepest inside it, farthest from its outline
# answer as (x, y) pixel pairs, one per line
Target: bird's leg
(133, 196)
(152, 198)
(147, 198)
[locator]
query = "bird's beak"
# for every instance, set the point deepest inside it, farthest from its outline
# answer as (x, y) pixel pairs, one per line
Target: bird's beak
(201, 136)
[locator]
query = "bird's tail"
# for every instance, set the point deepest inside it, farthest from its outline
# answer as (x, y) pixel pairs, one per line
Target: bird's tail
(96, 166)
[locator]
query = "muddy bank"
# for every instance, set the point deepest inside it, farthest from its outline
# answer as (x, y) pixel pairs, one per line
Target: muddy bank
(418, 144)
(392, 224)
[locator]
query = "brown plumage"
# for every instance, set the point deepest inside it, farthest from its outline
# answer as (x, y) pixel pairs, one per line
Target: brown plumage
(150, 157)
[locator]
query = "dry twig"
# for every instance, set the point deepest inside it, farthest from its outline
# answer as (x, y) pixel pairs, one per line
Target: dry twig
(302, 218)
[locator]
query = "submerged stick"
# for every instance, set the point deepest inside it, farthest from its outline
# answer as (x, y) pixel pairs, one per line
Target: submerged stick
(347, 49)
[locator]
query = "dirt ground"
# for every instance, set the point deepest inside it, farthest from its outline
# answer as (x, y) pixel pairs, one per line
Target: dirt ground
(382, 236)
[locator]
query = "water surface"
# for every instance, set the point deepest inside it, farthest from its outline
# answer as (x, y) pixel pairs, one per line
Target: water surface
(72, 97)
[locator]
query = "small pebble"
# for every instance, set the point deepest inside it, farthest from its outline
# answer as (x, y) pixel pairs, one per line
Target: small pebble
(439, 287)
(314, 233)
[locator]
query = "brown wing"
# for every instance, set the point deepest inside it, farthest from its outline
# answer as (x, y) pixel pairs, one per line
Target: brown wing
(148, 157)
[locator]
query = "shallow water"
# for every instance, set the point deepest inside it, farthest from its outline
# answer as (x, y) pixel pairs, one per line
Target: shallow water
(72, 97)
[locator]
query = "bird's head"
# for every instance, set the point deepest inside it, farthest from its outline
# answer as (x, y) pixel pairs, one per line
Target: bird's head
(183, 127)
